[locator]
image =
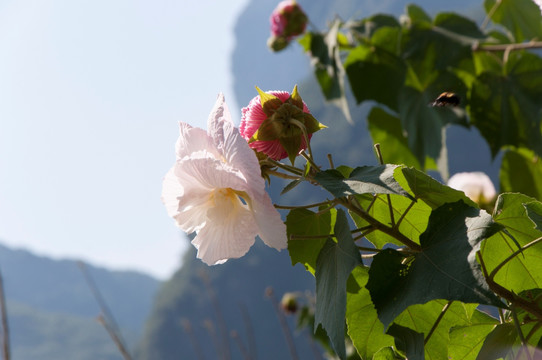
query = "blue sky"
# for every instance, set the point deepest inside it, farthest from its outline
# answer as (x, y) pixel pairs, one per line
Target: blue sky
(90, 96)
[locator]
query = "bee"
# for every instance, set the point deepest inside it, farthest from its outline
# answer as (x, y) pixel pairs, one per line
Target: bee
(446, 99)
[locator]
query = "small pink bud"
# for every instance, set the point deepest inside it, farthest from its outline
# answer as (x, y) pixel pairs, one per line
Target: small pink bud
(287, 21)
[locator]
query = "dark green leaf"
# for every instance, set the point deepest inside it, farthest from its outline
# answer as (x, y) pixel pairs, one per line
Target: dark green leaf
(447, 264)
(324, 51)
(466, 341)
(383, 70)
(417, 14)
(365, 28)
(499, 342)
(427, 189)
(521, 171)
(524, 271)
(364, 328)
(506, 107)
(307, 223)
(458, 27)
(421, 318)
(362, 180)
(408, 341)
(333, 267)
(386, 130)
(521, 17)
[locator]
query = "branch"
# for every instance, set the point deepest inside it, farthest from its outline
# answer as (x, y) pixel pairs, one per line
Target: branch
(508, 47)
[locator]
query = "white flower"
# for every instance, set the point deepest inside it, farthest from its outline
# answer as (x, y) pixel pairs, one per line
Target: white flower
(215, 189)
(476, 185)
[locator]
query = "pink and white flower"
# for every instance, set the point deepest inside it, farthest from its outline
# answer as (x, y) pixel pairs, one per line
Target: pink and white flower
(476, 185)
(215, 189)
(287, 20)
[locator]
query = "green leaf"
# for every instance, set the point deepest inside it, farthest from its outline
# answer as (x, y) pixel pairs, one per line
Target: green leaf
(307, 223)
(417, 14)
(364, 328)
(387, 353)
(427, 189)
(520, 17)
(362, 180)
(408, 341)
(498, 342)
(365, 28)
(386, 130)
(534, 212)
(328, 68)
(421, 318)
(447, 264)
(460, 28)
(466, 341)
(524, 271)
(383, 70)
(506, 107)
(521, 171)
(291, 185)
(333, 267)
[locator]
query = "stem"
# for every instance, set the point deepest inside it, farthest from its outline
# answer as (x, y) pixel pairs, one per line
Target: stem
(115, 337)
(303, 129)
(187, 326)
(404, 214)
(380, 226)
(250, 331)
(513, 255)
(439, 318)
(533, 330)
(309, 159)
(369, 249)
(501, 315)
(242, 348)
(5, 328)
(509, 47)
(508, 295)
(362, 235)
(520, 333)
(278, 164)
(370, 205)
(361, 229)
(381, 160)
(282, 175)
(330, 159)
(291, 207)
(490, 14)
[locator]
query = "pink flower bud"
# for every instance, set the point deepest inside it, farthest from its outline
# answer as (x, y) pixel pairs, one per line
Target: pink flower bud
(287, 20)
(273, 124)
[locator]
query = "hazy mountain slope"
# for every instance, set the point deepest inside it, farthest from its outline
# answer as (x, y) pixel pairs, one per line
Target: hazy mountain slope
(52, 313)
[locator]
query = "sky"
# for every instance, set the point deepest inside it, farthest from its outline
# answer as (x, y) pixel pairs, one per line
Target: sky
(91, 93)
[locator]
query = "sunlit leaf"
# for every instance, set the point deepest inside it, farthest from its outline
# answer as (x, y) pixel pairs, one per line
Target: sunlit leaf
(520, 17)
(333, 267)
(307, 223)
(523, 271)
(466, 341)
(498, 342)
(364, 328)
(446, 268)
(521, 171)
(421, 318)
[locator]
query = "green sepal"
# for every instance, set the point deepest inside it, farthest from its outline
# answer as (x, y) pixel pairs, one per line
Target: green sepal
(270, 103)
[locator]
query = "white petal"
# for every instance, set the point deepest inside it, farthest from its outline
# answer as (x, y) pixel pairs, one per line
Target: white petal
(228, 234)
(193, 140)
(171, 191)
(272, 229)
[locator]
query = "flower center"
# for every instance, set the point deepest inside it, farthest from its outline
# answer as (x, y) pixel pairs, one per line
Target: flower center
(227, 198)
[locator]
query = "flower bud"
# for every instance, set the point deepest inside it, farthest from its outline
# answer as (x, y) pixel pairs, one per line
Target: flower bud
(287, 21)
(289, 303)
(275, 123)
(477, 186)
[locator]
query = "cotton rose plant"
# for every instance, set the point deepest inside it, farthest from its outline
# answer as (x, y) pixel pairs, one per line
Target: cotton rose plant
(287, 21)
(215, 189)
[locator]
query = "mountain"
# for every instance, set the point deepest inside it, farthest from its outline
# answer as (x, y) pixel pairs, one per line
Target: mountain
(213, 301)
(52, 312)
